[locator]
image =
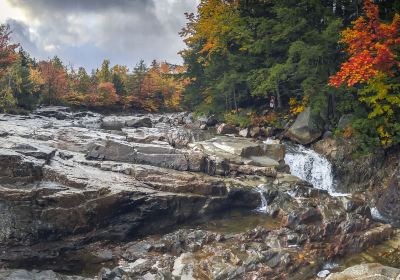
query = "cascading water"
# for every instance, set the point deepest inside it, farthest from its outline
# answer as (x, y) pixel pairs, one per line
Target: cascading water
(311, 167)
(264, 203)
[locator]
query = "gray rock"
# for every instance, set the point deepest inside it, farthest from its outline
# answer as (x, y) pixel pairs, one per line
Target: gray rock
(16, 167)
(373, 271)
(226, 129)
(139, 122)
(20, 274)
(245, 132)
(389, 203)
(58, 112)
(111, 150)
(113, 123)
(36, 151)
(306, 129)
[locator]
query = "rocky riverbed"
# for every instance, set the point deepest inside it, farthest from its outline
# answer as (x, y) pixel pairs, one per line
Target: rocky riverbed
(150, 196)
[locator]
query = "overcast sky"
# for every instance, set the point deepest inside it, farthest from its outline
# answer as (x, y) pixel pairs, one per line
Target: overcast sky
(84, 32)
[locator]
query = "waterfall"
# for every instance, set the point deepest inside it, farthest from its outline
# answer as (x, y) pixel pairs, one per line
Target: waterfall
(312, 167)
(264, 203)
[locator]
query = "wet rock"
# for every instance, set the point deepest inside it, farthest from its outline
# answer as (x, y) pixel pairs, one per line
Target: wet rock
(388, 204)
(226, 129)
(306, 129)
(355, 173)
(366, 271)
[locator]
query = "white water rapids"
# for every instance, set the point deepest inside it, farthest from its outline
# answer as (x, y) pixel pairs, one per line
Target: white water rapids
(309, 166)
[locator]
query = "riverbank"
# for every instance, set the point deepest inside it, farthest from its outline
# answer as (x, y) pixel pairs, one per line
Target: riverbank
(147, 196)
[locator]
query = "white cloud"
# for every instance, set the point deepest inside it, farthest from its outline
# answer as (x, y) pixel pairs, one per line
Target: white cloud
(122, 30)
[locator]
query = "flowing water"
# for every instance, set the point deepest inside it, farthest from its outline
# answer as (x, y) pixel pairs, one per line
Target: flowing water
(312, 167)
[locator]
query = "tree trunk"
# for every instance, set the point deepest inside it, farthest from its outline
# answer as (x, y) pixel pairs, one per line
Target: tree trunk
(278, 97)
(234, 99)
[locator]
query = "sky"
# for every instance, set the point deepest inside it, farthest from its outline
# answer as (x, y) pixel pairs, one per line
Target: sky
(85, 32)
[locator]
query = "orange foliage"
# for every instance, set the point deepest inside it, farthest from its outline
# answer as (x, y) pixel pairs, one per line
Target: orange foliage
(370, 44)
(7, 50)
(107, 94)
(55, 81)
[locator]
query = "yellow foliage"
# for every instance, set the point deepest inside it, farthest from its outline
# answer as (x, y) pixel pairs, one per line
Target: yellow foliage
(296, 107)
(36, 78)
(385, 137)
(214, 21)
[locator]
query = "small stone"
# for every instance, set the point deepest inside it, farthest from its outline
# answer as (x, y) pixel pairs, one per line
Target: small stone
(323, 273)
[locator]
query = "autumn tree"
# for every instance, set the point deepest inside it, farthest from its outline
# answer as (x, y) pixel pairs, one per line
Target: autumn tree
(373, 66)
(104, 74)
(241, 53)
(107, 94)
(7, 49)
(55, 86)
(25, 81)
(7, 57)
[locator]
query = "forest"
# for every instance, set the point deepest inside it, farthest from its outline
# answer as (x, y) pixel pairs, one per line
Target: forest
(26, 83)
(338, 57)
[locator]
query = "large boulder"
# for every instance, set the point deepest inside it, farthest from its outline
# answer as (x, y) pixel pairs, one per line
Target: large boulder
(16, 167)
(307, 128)
(389, 203)
(367, 271)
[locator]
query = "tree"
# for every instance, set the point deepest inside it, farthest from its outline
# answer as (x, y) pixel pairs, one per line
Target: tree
(107, 94)
(119, 79)
(373, 66)
(104, 75)
(84, 83)
(241, 52)
(135, 83)
(25, 82)
(371, 46)
(7, 50)
(55, 82)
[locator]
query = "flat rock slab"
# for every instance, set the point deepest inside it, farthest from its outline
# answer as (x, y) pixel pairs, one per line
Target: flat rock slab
(21, 274)
(370, 271)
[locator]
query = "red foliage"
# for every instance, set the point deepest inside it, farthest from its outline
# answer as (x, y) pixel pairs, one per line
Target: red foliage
(7, 50)
(55, 81)
(371, 45)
